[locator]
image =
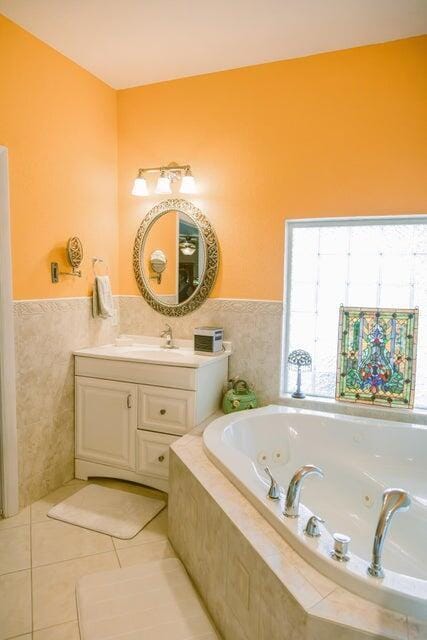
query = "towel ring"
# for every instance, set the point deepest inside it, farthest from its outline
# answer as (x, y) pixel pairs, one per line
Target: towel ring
(94, 261)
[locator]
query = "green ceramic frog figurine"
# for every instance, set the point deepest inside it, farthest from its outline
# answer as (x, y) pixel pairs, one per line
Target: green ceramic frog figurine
(239, 397)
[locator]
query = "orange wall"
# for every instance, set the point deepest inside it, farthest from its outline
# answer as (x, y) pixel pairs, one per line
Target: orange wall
(337, 134)
(162, 235)
(341, 133)
(60, 126)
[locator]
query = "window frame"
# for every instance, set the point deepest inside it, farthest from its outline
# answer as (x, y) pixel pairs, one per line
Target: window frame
(292, 224)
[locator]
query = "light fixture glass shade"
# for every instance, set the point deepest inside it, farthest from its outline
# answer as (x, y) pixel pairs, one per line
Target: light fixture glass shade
(163, 184)
(187, 247)
(140, 187)
(188, 183)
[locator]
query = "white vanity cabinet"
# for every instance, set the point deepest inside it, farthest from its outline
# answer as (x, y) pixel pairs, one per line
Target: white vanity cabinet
(132, 404)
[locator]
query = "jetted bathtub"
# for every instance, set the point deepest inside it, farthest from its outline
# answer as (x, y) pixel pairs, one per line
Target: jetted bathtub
(360, 458)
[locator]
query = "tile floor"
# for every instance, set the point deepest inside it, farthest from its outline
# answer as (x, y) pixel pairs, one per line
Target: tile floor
(41, 559)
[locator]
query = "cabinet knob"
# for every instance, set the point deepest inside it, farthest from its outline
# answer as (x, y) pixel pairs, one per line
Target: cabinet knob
(161, 458)
(162, 412)
(129, 401)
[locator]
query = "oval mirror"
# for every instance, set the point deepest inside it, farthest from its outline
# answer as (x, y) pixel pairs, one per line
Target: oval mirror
(175, 257)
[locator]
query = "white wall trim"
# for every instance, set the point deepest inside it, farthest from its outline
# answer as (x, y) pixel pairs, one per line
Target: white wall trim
(8, 433)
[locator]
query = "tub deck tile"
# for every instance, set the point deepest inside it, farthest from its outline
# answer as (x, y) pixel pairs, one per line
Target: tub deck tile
(348, 610)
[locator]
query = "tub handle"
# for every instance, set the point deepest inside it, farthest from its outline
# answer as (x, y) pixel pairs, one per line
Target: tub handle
(274, 490)
(312, 529)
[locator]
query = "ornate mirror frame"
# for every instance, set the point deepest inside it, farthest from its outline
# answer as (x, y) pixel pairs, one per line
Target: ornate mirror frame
(210, 242)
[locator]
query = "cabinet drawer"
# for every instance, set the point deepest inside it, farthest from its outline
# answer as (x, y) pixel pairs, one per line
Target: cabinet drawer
(166, 410)
(152, 453)
(144, 373)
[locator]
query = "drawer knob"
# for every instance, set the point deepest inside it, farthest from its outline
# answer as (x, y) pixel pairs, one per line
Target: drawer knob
(162, 412)
(161, 458)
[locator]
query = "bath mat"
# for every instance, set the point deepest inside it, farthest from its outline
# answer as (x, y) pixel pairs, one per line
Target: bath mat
(117, 513)
(151, 601)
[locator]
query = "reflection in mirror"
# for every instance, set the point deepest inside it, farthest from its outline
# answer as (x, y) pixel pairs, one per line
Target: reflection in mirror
(176, 237)
(158, 262)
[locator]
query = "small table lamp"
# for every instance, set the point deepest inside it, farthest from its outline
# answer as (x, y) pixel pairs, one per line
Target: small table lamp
(299, 360)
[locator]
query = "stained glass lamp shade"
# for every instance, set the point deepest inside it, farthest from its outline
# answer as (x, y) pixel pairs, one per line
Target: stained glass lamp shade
(299, 360)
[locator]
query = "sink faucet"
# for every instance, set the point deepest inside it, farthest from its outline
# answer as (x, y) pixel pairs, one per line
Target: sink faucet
(294, 489)
(393, 500)
(167, 334)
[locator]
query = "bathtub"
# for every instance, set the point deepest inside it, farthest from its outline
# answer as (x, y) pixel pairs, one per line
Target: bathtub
(360, 458)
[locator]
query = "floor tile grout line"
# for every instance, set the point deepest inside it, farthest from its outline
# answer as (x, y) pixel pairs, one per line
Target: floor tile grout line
(10, 573)
(87, 555)
(14, 526)
(59, 624)
(131, 546)
(52, 626)
(116, 552)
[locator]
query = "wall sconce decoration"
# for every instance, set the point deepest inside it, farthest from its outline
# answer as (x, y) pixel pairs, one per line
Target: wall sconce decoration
(168, 175)
(299, 360)
(75, 258)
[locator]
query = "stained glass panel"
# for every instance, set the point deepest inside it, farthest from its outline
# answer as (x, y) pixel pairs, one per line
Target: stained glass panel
(376, 356)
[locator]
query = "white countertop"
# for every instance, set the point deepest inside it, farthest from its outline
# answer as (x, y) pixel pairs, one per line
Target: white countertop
(149, 350)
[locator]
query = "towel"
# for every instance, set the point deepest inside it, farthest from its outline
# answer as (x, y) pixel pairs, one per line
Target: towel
(102, 300)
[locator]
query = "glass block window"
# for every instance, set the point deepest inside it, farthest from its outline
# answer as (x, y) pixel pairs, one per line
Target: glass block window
(371, 262)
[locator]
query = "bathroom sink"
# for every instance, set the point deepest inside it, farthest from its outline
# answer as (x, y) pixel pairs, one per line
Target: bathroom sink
(145, 350)
(158, 352)
(151, 350)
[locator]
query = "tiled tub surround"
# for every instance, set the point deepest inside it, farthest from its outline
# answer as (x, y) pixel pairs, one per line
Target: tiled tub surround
(254, 584)
(367, 457)
(254, 328)
(46, 334)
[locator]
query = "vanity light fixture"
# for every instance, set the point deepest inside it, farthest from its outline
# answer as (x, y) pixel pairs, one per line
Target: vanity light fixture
(168, 174)
(163, 184)
(188, 183)
(140, 185)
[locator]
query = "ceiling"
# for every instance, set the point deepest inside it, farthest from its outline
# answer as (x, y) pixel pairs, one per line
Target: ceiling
(132, 42)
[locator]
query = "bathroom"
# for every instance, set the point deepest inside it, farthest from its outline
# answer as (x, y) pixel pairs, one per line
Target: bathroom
(213, 221)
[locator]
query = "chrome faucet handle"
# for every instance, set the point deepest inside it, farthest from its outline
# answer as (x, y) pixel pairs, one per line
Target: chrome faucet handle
(274, 490)
(166, 331)
(312, 528)
(294, 489)
(341, 543)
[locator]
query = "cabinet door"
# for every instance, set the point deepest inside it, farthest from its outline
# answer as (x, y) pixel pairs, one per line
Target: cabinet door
(106, 421)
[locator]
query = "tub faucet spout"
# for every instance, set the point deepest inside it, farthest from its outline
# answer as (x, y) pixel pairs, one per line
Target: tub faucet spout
(294, 489)
(393, 500)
